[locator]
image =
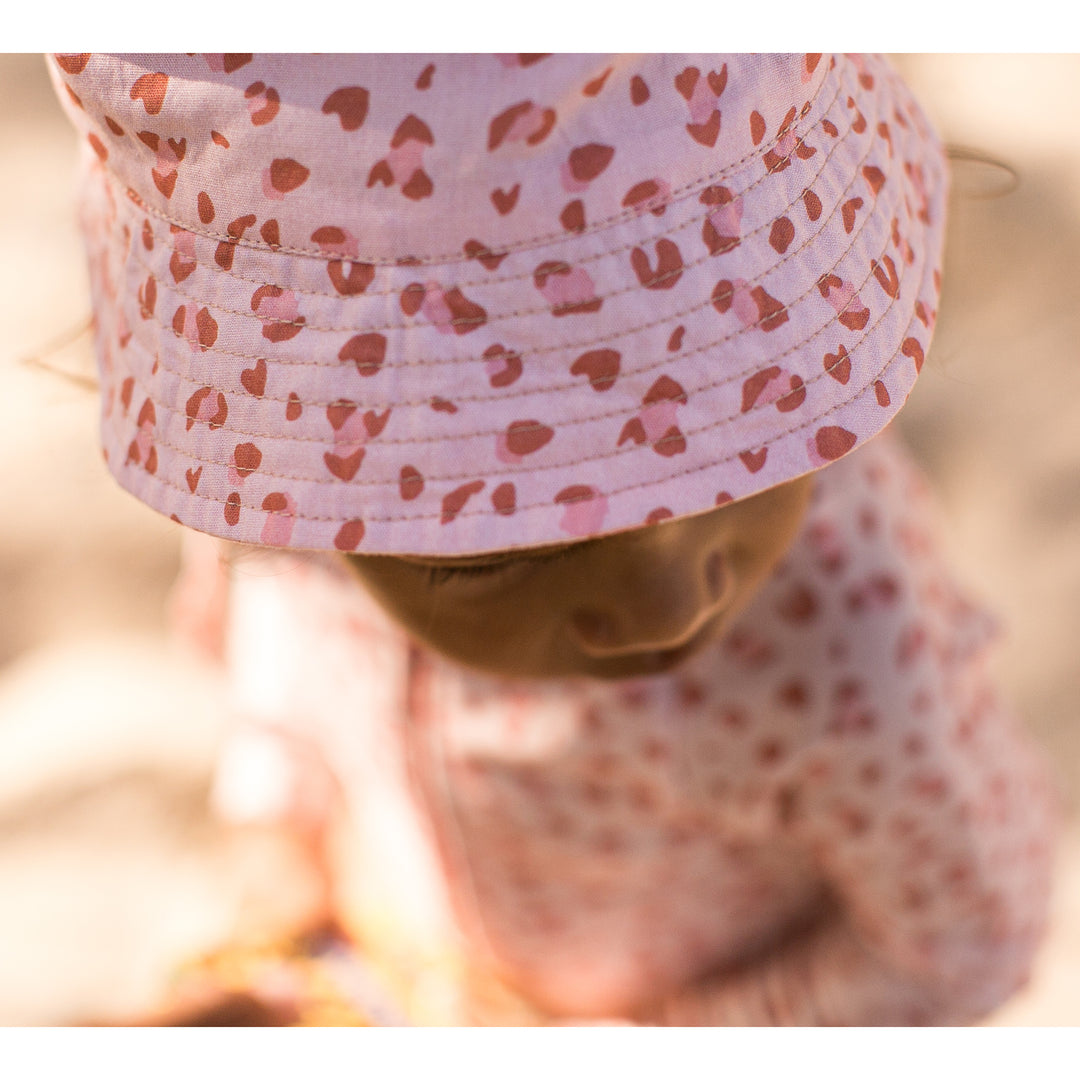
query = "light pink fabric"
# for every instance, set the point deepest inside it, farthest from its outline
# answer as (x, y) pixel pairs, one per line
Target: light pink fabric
(827, 817)
(456, 303)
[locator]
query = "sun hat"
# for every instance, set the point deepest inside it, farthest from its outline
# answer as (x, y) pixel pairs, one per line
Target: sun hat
(445, 304)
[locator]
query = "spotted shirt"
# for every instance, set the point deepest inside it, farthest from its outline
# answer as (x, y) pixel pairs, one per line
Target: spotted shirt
(828, 816)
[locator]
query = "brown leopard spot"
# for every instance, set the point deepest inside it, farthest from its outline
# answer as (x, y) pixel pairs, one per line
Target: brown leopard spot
(483, 254)
(686, 81)
(914, 350)
(206, 208)
(410, 482)
(72, 63)
(454, 503)
(671, 442)
(722, 296)
(881, 391)
(165, 184)
(589, 161)
(639, 90)
(235, 61)
(504, 499)
(338, 412)
(512, 365)
(848, 211)
(794, 397)
(642, 192)
(352, 282)
(757, 127)
(674, 343)
(706, 133)
(632, 431)
(886, 276)
(206, 327)
(599, 366)
(874, 177)
(248, 458)
(412, 127)
(546, 269)
(351, 105)
(754, 460)
(665, 389)
(419, 186)
(838, 365)
(594, 86)
(193, 476)
(219, 139)
(812, 204)
(99, 147)
(424, 81)
(501, 125)
(575, 493)
(113, 126)
(771, 313)
(287, 175)
(367, 351)
(270, 233)
(527, 436)
(466, 316)
(374, 422)
(294, 407)
(834, 442)
(349, 535)
(344, 467)
(669, 265)
(781, 234)
(505, 201)
(232, 508)
(150, 89)
(753, 386)
(253, 379)
(270, 109)
(572, 217)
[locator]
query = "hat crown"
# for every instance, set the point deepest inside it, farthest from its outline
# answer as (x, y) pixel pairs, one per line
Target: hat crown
(424, 155)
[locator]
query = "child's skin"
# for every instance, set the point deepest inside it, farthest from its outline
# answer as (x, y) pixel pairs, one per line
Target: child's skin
(633, 603)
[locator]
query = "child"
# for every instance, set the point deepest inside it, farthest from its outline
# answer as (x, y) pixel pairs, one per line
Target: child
(631, 703)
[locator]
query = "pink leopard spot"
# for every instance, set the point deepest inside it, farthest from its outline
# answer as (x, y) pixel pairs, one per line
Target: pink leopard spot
(585, 510)
(281, 516)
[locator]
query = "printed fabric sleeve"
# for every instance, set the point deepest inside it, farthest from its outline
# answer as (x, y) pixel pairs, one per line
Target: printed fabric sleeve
(938, 868)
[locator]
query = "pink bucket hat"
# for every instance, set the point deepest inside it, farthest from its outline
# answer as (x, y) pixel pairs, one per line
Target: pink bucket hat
(444, 304)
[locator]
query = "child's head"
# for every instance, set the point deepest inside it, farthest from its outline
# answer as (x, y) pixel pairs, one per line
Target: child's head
(450, 306)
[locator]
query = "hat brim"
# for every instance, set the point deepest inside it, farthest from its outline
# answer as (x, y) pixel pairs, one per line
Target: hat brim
(696, 348)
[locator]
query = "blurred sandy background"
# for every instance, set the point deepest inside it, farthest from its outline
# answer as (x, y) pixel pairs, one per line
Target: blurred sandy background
(111, 869)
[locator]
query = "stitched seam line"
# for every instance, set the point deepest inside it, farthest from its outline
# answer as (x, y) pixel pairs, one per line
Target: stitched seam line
(573, 346)
(546, 502)
(544, 309)
(629, 410)
(689, 223)
(456, 257)
(535, 468)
